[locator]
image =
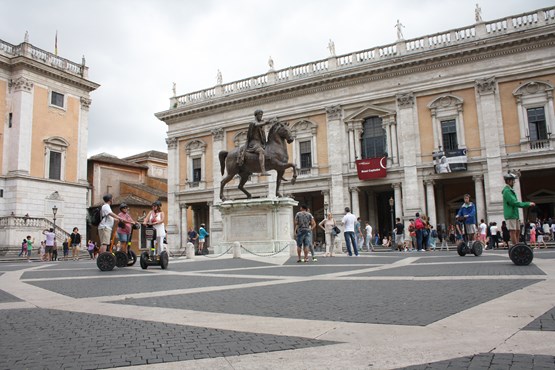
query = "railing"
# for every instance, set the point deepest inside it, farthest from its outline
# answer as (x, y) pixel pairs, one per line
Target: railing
(27, 50)
(537, 18)
(33, 223)
(540, 144)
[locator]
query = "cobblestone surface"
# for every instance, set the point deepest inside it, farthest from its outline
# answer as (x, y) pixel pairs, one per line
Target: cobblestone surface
(304, 269)
(491, 361)
(51, 339)
(459, 269)
(545, 322)
(375, 302)
(7, 297)
(203, 263)
(77, 270)
(446, 257)
(366, 259)
(82, 288)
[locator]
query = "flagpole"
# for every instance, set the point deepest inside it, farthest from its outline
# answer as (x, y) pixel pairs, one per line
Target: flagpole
(56, 44)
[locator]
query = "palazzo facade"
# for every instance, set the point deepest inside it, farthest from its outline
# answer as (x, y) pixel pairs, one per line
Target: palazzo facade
(481, 95)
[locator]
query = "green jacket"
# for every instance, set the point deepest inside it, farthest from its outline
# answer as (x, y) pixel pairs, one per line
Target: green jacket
(511, 204)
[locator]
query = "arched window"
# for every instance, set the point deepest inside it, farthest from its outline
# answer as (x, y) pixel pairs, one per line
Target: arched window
(373, 138)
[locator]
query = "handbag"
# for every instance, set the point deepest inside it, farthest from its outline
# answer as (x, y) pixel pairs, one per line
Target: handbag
(336, 230)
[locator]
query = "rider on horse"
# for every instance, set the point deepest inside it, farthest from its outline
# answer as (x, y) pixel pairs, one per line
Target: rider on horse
(256, 140)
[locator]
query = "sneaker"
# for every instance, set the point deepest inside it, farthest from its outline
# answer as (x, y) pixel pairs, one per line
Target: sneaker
(299, 261)
(314, 259)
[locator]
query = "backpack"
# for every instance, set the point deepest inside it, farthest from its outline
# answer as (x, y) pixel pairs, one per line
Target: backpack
(96, 216)
(434, 233)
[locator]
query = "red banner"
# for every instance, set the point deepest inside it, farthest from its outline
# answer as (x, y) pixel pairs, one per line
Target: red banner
(371, 168)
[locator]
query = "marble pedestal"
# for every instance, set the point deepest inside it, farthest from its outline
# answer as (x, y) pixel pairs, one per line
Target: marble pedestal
(260, 225)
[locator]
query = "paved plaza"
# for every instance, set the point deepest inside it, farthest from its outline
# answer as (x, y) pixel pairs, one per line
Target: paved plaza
(386, 310)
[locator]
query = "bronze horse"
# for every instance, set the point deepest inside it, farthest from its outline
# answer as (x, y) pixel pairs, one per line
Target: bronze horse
(276, 159)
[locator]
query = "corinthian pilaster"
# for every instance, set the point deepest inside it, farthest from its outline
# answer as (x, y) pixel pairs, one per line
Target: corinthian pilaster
(405, 100)
(85, 103)
(333, 112)
(22, 84)
(486, 86)
(218, 134)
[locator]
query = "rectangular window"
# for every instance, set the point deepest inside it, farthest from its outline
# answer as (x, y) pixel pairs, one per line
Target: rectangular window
(449, 134)
(305, 150)
(55, 169)
(373, 138)
(57, 99)
(536, 124)
(196, 170)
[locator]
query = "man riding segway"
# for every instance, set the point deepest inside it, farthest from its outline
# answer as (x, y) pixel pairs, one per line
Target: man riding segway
(520, 253)
(467, 216)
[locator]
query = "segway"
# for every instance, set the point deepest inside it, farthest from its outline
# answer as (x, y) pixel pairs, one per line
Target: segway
(106, 261)
(152, 258)
(521, 254)
(131, 255)
(467, 246)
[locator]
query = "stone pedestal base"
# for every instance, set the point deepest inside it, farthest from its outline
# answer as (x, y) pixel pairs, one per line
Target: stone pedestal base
(259, 225)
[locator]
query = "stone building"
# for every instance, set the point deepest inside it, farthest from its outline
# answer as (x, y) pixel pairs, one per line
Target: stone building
(131, 180)
(44, 106)
(372, 127)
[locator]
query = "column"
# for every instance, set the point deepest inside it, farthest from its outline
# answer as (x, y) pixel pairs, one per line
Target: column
(394, 146)
(410, 139)
(355, 201)
(398, 199)
(357, 126)
(336, 144)
(174, 231)
(431, 202)
(480, 199)
(460, 128)
(489, 120)
(352, 148)
(387, 127)
(518, 193)
(183, 224)
(83, 139)
(216, 226)
(18, 158)
(326, 194)
(435, 128)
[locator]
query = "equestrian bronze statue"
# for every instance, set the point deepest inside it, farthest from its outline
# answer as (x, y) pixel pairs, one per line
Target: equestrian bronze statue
(244, 163)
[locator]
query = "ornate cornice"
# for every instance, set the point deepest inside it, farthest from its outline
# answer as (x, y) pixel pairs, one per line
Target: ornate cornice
(22, 84)
(404, 65)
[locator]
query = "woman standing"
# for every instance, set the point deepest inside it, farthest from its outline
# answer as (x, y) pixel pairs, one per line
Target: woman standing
(505, 234)
(202, 234)
(327, 224)
(156, 219)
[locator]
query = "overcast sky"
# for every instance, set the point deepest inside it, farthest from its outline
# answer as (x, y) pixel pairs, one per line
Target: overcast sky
(136, 49)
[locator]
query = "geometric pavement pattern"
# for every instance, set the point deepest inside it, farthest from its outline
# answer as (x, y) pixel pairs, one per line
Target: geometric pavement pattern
(374, 289)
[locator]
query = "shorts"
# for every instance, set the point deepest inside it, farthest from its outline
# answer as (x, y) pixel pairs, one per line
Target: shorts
(75, 246)
(123, 237)
(399, 239)
(304, 238)
(48, 249)
(513, 225)
(105, 235)
(470, 228)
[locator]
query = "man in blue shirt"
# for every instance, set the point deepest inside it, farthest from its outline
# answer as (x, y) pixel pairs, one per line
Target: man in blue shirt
(467, 215)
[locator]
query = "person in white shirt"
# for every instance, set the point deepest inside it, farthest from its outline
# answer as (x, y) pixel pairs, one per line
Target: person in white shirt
(106, 225)
(483, 231)
(349, 221)
(368, 240)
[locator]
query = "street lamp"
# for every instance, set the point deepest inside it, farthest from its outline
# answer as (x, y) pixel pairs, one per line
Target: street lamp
(391, 203)
(54, 211)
